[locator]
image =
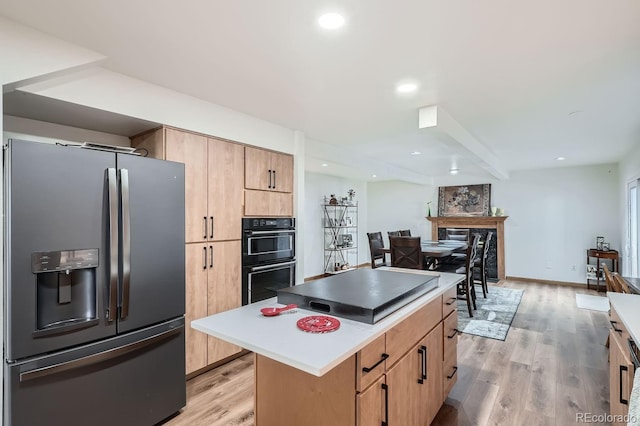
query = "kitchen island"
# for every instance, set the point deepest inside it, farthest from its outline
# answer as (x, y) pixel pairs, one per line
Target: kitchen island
(397, 370)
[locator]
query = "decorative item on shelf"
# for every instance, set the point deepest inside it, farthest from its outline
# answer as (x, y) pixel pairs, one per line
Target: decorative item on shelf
(333, 201)
(494, 210)
(343, 201)
(345, 266)
(351, 193)
(499, 211)
(429, 209)
(606, 247)
(599, 243)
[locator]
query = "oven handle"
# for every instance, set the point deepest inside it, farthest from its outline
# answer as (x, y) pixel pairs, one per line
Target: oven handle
(286, 231)
(272, 266)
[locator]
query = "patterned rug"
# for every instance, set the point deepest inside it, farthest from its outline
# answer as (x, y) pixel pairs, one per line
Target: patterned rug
(494, 315)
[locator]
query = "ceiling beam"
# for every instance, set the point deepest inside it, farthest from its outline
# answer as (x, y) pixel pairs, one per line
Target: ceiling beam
(445, 127)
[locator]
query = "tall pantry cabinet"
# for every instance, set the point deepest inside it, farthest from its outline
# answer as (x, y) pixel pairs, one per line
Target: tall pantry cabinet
(214, 183)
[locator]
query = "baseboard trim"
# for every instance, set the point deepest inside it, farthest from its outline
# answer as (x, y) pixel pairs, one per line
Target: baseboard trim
(317, 277)
(553, 282)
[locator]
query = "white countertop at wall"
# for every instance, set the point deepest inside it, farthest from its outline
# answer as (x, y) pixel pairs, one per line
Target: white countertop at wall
(628, 308)
(280, 339)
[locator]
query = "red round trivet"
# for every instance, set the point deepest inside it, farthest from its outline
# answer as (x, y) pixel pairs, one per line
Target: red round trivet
(318, 324)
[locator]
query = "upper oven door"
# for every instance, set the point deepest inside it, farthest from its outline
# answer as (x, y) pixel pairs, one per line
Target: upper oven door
(268, 246)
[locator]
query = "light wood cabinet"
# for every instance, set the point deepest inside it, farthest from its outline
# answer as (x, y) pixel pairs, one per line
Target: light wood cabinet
(371, 405)
(620, 377)
(268, 170)
(214, 195)
(268, 181)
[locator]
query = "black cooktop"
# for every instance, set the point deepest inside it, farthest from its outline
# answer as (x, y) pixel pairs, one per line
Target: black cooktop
(365, 295)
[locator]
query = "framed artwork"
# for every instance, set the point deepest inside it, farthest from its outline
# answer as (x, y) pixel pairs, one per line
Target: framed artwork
(464, 200)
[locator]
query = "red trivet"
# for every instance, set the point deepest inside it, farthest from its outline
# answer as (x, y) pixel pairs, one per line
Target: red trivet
(318, 324)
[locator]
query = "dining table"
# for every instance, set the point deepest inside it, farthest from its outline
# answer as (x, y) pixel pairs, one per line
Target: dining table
(433, 250)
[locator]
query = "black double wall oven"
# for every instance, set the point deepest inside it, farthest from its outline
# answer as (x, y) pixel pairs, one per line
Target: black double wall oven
(268, 257)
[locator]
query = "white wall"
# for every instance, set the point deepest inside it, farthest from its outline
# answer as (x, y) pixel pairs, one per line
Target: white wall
(316, 187)
(395, 205)
(629, 170)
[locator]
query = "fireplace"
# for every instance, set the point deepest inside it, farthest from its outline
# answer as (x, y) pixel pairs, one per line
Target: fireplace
(481, 225)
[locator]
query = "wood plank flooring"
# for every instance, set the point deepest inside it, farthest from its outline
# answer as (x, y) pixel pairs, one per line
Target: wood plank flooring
(552, 365)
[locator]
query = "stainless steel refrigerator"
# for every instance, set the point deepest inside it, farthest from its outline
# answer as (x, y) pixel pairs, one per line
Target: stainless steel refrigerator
(94, 293)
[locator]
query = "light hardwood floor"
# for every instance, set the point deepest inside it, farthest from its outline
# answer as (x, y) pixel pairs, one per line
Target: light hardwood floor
(552, 365)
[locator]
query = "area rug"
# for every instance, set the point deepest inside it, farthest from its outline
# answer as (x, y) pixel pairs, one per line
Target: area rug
(494, 315)
(594, 303)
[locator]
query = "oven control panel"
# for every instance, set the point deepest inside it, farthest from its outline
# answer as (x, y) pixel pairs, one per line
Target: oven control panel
(268, 223)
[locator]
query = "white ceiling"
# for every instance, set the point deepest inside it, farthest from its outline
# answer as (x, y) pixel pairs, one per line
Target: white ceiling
(511, 73)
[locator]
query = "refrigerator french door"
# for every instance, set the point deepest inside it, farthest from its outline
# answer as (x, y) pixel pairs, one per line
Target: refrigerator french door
(94, 286)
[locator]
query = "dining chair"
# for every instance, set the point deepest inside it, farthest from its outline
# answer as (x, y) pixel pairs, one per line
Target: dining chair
(467, 288)
(608, 279)
(456, 234)
(621, 284)
(375, 244)
(394, 233)
(406, 252)
(481, 264)
(405, 232)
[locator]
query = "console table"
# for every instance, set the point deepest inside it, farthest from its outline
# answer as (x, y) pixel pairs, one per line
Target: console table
(599, 255)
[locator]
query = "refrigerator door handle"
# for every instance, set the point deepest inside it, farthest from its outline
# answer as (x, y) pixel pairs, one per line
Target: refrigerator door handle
(96, 358)
(113, 245)
(126, 241)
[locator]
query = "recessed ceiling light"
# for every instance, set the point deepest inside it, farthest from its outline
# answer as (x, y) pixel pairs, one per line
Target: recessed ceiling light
(406, 88)
(453, 171)
(331, 21)
(324, 165)
(416, 153)
(374, 176)
(560, 158)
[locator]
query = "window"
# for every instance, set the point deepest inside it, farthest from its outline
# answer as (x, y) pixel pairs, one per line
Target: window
(632, 230)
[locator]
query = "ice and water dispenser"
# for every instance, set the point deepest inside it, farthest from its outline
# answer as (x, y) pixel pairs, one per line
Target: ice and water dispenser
(66, 290)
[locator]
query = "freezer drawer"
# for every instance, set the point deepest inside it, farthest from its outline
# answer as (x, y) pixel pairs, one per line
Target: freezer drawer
(134, 379)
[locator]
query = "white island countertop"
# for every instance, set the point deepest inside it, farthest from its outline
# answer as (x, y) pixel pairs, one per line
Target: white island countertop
(280, 339)
(628, 308)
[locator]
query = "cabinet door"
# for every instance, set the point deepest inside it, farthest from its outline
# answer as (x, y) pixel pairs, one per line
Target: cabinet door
(226, 183)
(282, 165)
(196, 256)
(432, 391)
(191, 150)
(266, 203)
(224, 291)
(405, 405)
(257, 166)
(620, 376)
(371, 405)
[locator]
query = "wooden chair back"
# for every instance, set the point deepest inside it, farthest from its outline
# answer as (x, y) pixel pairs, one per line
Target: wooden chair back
(621, 284)
(375, 244)
(393, 234)
(608, 278)
(405, 232)
(406, 252)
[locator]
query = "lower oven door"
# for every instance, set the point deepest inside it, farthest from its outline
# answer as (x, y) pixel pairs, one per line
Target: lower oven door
(262, 282)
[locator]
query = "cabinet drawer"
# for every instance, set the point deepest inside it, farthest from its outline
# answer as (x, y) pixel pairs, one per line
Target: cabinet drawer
(617, 326)
(449, 304)
(450, 331)
(371, 358)
(404, 335)
(449, 370)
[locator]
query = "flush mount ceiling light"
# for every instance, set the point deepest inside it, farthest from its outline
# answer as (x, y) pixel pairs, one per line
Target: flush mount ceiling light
(416, 153)
(331, 21)
(373, 176)
(324, 165)
(406, 88)
(560, 158)
(454, 170)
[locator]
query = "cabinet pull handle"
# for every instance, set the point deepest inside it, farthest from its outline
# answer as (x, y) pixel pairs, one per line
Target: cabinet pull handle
(274, 179)
(455, 332)
(210, 256)
(269, 178)
(622, 401)
(385, 388)
(451, 301)
(423, 363)
(613, 325)
(211, 235)
(369, 369)
(455, 370)
(205, 257)
(205, 227)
